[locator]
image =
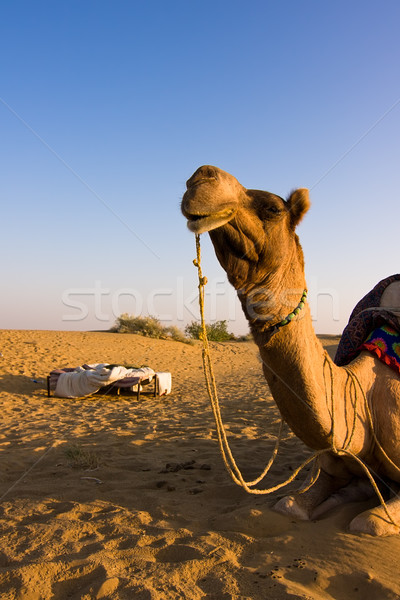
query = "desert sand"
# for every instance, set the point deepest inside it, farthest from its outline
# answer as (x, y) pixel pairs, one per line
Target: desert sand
(110, 498)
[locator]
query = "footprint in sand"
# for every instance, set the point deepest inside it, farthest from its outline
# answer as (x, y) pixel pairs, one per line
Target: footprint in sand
(178, 553)
(107, 588)
(253, 522)
(90, 580)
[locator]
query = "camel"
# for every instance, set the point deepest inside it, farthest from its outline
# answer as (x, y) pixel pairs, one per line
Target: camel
(253, 234)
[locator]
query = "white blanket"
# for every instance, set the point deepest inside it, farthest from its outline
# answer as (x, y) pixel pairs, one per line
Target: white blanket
(84, 382)
(164, 383)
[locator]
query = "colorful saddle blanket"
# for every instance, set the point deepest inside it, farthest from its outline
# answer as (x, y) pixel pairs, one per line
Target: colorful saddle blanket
(384, 342)
(366, 317)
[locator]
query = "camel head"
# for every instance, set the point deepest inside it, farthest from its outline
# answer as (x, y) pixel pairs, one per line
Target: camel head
(253, 232)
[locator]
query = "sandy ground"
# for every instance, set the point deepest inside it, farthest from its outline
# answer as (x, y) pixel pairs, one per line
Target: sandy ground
(107, 497)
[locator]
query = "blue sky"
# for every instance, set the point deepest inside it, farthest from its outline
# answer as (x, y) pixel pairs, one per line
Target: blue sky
(106, 108)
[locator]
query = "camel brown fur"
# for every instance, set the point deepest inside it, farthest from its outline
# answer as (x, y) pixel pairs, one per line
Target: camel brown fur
(253, 233)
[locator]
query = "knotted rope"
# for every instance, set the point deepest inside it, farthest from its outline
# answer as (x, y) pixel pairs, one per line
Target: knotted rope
(353, 383)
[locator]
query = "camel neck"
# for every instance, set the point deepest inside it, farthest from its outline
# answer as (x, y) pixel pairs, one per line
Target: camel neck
(293, 364)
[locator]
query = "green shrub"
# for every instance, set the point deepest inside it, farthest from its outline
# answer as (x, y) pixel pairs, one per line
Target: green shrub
(216, 332)
(151, 327)
(175, 333)
(148, 327)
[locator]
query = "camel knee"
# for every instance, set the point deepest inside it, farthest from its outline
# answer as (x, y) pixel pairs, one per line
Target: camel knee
(376, 524)
(290, 507)
(376, 521)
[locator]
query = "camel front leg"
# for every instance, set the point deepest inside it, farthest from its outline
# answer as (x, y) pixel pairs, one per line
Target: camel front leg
(302, 505)
(376, 522)
(356, 491)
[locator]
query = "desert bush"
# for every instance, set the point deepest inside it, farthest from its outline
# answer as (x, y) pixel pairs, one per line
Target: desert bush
(175, 333)
(148, 327)
(216, 332)
(151, 327)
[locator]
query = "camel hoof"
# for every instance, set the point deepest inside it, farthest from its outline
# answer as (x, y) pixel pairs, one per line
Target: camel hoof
(289, 507)
(376, 525)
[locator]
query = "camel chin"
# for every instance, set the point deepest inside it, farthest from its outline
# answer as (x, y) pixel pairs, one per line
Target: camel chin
(202, 224)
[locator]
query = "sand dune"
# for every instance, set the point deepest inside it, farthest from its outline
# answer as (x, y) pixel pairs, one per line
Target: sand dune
(110, 498)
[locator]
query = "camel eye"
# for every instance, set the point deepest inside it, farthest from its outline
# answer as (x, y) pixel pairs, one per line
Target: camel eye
(271, 211)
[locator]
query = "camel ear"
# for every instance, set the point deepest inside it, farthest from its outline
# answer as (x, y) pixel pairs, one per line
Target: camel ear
(298, 204)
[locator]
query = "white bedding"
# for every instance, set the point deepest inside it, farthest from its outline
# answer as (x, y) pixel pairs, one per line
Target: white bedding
(84, 382)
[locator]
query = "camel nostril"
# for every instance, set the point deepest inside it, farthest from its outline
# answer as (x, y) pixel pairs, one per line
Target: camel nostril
(208, 171)
(204, 173)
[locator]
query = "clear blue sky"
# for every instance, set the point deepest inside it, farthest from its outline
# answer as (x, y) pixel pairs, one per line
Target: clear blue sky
(106, 108)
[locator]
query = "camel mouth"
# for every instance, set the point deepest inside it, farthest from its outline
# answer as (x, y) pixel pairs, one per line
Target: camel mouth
(203, 223)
